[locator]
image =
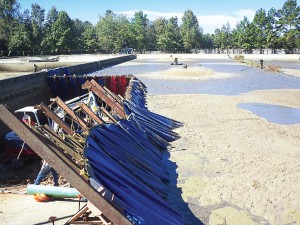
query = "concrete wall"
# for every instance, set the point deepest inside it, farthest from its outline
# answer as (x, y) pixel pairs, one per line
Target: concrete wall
(94, 66)
(31, 89)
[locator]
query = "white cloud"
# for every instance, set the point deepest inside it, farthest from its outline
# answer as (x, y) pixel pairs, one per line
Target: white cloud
(208, 22)
(152, 15)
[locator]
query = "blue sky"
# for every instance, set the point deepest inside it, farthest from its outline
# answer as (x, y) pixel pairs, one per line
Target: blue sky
(210, 13)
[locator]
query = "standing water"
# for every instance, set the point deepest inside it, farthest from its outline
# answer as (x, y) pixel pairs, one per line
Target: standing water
(243, 78)
(274, 113)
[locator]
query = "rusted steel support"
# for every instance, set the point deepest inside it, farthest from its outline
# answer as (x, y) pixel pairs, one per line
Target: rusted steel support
(100, 92)
(67, 109)
(55, 118)
(108, 93)
(108, 115)
(121, 97)
(90, 112)
(59, 122)
(79, 142)
(49, 152)
(114, 96)
(65, 146)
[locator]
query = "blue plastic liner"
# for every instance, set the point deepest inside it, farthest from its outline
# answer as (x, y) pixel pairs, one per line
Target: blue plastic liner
(124, 149)
(126, 157)
(142, 204)
(65, 86)
(150, 122)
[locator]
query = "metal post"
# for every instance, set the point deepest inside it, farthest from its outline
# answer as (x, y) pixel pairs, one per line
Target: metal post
(261, 64)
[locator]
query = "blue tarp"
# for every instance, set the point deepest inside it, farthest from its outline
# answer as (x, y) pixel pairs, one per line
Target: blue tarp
(66, 86)
(142, 204)
(124, 148)
(125, 158)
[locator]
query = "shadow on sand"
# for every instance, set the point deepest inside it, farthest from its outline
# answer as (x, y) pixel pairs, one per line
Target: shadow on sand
(174, 194)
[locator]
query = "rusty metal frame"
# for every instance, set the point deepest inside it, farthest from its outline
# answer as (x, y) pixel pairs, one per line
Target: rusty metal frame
(90, 112)
(121, 97)
(67, 109)
(108, 115)
(114, 96)
(55, 118)
(52, 154)
(101, 93)
(62, 144)
(49, 113)
(108, 93)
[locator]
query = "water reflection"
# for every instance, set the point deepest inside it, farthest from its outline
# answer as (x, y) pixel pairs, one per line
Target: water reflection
(274, 113)
(247, 79)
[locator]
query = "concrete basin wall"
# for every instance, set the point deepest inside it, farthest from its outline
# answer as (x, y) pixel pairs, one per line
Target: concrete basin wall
(31, 89)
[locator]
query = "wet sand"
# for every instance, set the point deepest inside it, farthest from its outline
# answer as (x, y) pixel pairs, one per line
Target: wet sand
(234, 167)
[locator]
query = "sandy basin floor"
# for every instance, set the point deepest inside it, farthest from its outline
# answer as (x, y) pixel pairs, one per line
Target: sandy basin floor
(235, 168)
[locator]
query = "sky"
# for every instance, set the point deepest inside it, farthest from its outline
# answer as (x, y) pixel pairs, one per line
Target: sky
(211, 14)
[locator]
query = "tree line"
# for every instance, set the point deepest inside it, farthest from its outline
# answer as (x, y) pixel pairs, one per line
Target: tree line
(54, 32)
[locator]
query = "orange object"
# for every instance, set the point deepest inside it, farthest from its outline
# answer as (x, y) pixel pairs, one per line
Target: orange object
(41, 197)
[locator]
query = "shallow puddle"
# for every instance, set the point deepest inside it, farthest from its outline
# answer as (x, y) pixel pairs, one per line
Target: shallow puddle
(274, 113)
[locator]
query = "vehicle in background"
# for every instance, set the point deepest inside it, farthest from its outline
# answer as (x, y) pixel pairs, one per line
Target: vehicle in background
(14, 146)
(126, 51)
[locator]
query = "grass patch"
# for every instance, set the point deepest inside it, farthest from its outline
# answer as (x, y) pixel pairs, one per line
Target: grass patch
(239, 57)
(273, 68)
(253, 63)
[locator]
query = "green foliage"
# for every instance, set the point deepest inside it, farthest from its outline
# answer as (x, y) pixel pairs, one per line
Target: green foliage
(289, 24)
(19, 39)
(167, 33)
(139, 30)
(113, 32)
(29, 31)
(273, 29)
(207, 41)
(89, 37)
(244, 35)
(37, 25)
(190, 30)
(261, 25)
(61, 34)
(272, 38)
(9, 14)
(223, 37)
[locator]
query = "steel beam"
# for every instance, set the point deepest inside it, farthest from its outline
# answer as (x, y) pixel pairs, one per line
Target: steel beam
(67, 109)
(114, 96)
(90, 112)
(55, 118)
(64, 145)
(108, 93)
(108, 115)
(101, 94)
(48, 151)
